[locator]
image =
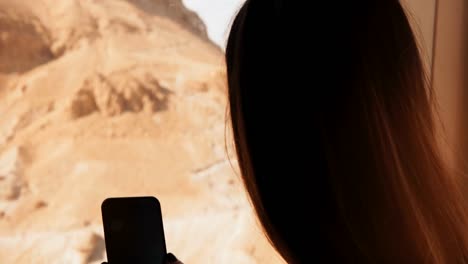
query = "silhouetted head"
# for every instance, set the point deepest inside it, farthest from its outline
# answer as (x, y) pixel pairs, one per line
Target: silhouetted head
(333, 126)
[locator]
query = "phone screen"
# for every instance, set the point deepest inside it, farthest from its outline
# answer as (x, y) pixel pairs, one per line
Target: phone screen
(133, 230)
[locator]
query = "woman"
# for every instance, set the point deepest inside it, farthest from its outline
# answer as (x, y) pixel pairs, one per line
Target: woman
(333, 126)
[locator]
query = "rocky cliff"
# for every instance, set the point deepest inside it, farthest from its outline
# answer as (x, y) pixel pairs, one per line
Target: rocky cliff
(115, 98)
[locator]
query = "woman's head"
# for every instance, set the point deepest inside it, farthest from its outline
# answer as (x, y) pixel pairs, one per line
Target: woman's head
(333, 126)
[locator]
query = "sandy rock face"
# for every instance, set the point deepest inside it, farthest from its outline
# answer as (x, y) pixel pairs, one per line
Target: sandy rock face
(11, 182)
(115, 98)
(23, 42)
(115, 94)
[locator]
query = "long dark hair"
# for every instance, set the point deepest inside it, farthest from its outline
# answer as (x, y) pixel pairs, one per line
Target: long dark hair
(333, 127)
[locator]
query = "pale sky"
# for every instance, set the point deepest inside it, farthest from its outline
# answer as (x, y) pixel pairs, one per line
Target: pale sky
(217, 15)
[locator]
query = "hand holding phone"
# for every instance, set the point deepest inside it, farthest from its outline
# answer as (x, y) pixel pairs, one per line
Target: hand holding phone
(133, 231)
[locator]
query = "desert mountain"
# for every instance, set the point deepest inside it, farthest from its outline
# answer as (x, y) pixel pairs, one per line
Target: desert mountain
(115, 98)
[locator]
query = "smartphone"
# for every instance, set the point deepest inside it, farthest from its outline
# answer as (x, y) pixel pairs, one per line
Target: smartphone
(133, 230)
